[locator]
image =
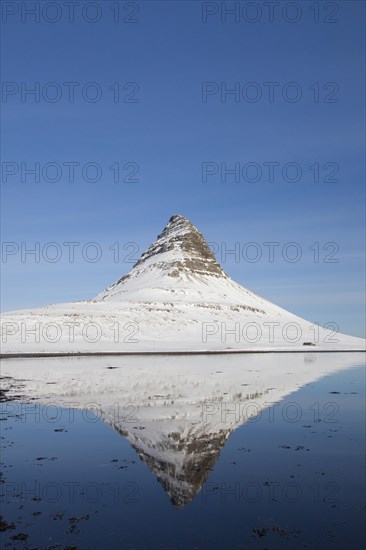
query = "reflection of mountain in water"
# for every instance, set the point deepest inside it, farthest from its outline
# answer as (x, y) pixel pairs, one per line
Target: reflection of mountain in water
(176, 412)
(183, 459)
(183, 465)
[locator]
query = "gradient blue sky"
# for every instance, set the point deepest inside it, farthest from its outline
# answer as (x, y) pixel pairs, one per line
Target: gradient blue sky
(170, 132)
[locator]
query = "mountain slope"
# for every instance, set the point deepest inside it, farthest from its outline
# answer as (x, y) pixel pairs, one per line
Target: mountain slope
(179, 267)
(175, 298)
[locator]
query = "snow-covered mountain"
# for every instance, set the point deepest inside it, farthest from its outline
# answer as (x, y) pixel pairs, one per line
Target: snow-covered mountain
(175, 298)
(179, 268)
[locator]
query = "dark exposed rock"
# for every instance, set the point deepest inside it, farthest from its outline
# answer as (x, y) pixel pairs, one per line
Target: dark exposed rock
(196, 256)
(4, 525)
(20, 536)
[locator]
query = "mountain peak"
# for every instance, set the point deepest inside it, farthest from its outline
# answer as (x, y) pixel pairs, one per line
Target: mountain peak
(181, 248)
(178, 217)
(177, 224)
(179, 251)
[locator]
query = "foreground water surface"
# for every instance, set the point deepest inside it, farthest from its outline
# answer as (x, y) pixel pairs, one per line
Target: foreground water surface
(252, 451)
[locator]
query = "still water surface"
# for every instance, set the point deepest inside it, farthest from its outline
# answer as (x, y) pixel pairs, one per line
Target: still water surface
(176, 453)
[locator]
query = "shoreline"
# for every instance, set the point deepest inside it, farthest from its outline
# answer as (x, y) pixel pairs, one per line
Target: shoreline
(28, 355)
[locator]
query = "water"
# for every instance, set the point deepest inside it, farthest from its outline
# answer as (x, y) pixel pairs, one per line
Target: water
(175, 453)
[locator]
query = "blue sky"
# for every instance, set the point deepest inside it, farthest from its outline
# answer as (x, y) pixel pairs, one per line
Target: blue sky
(164, 60)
